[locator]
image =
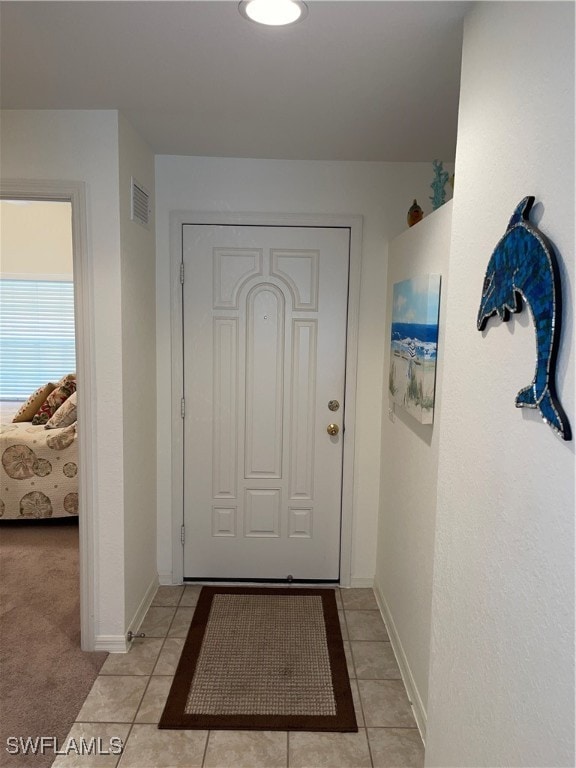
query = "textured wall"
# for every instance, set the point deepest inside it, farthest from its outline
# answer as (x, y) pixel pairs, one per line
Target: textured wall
(502, 662)
(138, 255)
(407, 518)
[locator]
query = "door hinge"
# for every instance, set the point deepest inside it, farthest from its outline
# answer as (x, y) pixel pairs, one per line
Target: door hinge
(182, 273)
(182, 534)
(182, 408)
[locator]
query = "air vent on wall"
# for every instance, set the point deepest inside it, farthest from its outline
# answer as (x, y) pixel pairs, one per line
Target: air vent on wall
(140, 203)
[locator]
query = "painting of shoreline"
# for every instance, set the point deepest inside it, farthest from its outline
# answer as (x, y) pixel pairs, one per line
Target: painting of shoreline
(413, 345)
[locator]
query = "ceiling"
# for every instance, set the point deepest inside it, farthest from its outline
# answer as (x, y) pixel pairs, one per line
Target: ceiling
(355, 80)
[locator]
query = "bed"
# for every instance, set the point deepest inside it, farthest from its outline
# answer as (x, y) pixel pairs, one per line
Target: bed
(38, 472)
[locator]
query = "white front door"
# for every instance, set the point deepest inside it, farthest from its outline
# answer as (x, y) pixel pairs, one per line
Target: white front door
(264, 344)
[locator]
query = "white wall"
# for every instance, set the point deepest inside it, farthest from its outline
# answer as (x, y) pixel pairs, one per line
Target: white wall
(407, 518)
(36, 237)
(502, 662)
(138, 257)
(83, 146)
(382, 193)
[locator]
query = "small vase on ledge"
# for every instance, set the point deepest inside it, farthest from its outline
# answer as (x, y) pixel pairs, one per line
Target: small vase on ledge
(415, 214)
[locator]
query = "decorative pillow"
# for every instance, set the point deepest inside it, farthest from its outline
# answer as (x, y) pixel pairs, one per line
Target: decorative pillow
(53, 402)
(27, 411)
(70, 377)
(65, 415)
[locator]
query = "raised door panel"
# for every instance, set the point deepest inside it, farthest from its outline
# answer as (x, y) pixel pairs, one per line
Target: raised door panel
(264, 382)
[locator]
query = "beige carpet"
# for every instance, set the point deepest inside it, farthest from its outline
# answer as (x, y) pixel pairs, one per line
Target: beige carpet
(265, 659)
(44, 676)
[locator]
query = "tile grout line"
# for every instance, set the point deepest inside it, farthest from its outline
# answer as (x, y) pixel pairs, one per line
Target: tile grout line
(139, 703)
(205, 753)
(124, 746)
(365, 727)
(148, 683)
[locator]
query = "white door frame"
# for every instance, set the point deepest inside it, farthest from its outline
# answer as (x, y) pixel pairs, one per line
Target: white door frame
(354, 225)
(74, 192)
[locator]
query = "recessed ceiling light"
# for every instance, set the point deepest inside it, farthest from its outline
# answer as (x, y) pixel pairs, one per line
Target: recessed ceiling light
(275, 13)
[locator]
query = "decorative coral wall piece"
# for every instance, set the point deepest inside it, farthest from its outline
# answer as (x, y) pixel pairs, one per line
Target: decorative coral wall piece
(523, 269)
(438, 184)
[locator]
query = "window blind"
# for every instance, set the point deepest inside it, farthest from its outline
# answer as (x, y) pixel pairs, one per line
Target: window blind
(37, 342)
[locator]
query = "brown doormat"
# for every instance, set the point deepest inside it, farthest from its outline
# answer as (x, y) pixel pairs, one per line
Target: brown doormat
(262, 659)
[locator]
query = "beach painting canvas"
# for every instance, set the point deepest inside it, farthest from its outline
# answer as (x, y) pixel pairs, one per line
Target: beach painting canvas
(413, 345)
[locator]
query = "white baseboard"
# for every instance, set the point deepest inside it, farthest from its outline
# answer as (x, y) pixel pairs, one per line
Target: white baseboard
(360, 583)
(138, 617)
(111, 643)
(119, 643)
(407, 676)
(165, 579)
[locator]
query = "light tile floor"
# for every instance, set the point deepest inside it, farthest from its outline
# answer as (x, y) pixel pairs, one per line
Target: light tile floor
(128, 697)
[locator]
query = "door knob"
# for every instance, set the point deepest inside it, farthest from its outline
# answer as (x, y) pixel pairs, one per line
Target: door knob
(332, 429)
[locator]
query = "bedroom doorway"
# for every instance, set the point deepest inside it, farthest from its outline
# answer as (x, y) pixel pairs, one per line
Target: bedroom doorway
(73, 195)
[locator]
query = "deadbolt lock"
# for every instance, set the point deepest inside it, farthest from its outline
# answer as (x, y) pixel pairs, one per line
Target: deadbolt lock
(333, 405)
(332, 429)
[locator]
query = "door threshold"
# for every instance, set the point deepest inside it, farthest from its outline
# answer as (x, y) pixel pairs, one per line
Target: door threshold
(256, 582)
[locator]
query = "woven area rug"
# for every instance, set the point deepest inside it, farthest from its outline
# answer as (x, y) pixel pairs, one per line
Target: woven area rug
(262, 659)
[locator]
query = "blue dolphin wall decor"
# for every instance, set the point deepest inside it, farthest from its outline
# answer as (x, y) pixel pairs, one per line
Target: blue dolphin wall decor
(523, 269)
